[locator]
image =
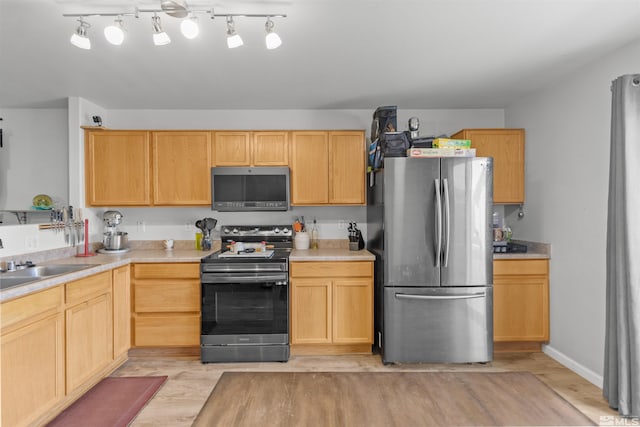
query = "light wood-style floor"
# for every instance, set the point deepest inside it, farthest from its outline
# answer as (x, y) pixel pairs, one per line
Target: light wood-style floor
(190, 382)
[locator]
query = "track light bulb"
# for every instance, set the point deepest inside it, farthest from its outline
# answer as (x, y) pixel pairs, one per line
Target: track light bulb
(160, 38)
(233, 39)
(79, 38)
(115, 33)
(189, 27)
(272, 40)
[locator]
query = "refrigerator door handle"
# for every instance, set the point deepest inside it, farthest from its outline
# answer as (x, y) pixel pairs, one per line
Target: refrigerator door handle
(441, 297)
(438, 233)
(447, 221)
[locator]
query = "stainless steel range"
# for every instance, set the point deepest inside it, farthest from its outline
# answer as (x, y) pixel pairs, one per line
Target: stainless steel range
(245, 295)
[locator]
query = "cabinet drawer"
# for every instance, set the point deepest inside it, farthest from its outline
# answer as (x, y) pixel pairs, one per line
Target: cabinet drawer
(519, 266)
(81, 290)
(163, 271)
(167, 296)
(167, 330)
(23, 308)
(331, 269)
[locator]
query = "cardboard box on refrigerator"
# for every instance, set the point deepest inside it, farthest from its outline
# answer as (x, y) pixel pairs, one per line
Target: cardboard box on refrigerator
(441, 152)
(451, 143)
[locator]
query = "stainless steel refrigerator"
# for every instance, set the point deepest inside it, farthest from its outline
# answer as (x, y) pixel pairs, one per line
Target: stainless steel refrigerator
(429, 225)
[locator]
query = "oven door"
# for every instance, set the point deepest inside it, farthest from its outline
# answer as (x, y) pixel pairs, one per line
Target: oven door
(245, 308)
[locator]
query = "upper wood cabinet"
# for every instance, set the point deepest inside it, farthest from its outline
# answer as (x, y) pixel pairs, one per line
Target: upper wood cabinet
(506, 146)
(270, 148)
(236, 148)
(181, 168)
(327, 168)
(347, 159)
(120, 165)
(117, 168)
(309, 168)
(232, 148)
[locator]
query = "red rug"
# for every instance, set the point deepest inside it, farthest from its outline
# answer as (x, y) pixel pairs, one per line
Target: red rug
(113, 402)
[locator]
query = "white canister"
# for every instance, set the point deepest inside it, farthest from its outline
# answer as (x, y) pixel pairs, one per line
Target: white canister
(301, 240)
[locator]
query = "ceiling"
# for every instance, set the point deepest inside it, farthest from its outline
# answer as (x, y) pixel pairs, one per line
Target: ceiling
(336, 54)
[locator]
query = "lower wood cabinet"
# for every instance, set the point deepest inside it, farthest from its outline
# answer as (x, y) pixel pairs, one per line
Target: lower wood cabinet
(89, 328)
(32, 356)
(331, 307)
(59, 342)
(121, 310)
(166, 305)
(521, 300)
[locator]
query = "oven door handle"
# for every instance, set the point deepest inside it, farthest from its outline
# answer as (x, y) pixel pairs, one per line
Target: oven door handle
(278, 279)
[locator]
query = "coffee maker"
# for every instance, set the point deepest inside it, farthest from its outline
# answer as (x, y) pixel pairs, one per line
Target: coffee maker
(114, 241)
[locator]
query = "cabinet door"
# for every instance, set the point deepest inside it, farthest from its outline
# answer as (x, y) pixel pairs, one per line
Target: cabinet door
(310, 311)
(167, 295)
(346, 168)
(270, 149)
(167, 330)
(232, 148)
(353, 311)
(309, 168)
(121, 310)
(117, 168)
(32, 370)
(521, 300)
(506, 146)
(181, 168)
(89, 331)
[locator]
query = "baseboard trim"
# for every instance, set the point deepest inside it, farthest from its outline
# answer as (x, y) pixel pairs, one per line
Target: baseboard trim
(576, 367)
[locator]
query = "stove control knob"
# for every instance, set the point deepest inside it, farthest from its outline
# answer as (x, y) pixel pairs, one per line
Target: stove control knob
(276, 230)
(235, 231)
(285, 230)
(226, 230)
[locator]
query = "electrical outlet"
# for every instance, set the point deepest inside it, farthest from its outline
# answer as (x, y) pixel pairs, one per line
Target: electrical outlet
(31, 242)
(342, 224)
(187, 226)
(142, 227)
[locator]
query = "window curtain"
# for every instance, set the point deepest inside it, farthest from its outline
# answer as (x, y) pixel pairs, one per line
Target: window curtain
(622, 338)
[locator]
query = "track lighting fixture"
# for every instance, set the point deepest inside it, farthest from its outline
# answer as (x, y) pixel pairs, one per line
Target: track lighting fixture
(115, 33)
(189, 27)
(233, 39)
(272, 39)
(160, 38)
(79, 38)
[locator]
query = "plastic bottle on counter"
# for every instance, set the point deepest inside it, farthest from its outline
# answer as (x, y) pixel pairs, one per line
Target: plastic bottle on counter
(314, 235)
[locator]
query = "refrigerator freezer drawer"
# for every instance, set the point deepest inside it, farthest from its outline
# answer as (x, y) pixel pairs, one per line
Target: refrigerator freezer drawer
(437, 325)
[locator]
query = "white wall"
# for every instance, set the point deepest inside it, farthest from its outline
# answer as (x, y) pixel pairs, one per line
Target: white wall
(567, 174)
(33, 159)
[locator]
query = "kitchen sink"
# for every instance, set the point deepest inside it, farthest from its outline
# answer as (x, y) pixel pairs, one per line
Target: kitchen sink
(8, 282)
(39, 272)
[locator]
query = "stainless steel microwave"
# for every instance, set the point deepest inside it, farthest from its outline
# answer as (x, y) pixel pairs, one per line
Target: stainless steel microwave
(260, 188)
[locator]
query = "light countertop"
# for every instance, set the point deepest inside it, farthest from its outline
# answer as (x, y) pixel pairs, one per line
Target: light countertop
(105, 262)
(331, 254)
(535, 250)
